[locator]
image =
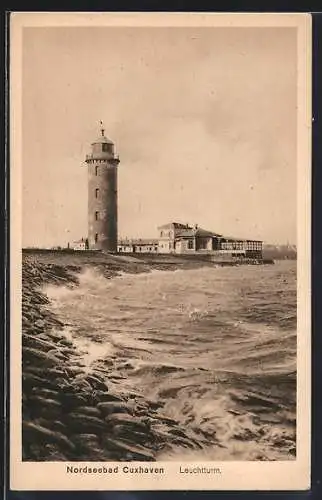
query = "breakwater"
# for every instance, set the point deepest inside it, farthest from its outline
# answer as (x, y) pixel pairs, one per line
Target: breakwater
(69, 410)
(193, 365)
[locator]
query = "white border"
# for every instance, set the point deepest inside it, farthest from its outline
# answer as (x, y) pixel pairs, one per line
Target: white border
(289, 475)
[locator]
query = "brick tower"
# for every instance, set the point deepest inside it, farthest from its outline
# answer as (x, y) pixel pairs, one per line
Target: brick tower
(102, 166)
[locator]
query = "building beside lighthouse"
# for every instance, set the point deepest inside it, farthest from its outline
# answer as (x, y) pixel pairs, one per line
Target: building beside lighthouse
(102, 164)
(177, 238)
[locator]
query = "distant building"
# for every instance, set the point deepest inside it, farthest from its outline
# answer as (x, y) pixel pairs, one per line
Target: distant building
(182, 238)
(80, 244)
(138, 246)
(185, 239)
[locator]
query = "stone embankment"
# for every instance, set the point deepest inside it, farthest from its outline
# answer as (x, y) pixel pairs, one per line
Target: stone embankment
(71, 413)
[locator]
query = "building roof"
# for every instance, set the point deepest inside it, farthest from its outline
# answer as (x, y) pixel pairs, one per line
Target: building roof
(186, 233)
(175, 225)
(204, 232)
(139, 241)
(185, 230)
(102, 139)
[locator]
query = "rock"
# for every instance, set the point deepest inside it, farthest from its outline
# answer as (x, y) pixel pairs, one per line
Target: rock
(163, 436)
(178, 432)
(89, 448)
(45, 393)
(185, 443)
(127, 420)
(167, 420)
(32, 432)
(40, 324)
(36, 356)
(110, 407)
(54, 323)
(116, 376)
(58, 371)
(234, 412)
(36, 342)
(48, 423)
(57, 425)
(55, 336)
(85, 423)
(154, 405)
(66, 342)
(89, 438)
(36, 452)
(132, 436)
(54, 454)
(25, 320)
(97, 382)
(107, 362)
(60, 354)
(30, 379)
(88, 443)
(102, 396)
(82, 384)
(89, 410)
(37, 399)
(71, 400)
(45, 407)
(129, 452)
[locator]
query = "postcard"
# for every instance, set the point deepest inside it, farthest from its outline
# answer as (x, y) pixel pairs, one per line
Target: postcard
(160, 324)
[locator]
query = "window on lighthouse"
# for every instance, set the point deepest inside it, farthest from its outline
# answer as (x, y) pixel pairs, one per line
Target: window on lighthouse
(96, 215)
(97, 192)
(106, 148)
(96, 237)
(96, 170)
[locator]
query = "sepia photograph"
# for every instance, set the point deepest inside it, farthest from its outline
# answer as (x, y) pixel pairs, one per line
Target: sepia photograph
(161, 292)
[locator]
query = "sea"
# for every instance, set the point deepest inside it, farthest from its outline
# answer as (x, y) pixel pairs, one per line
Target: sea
(216, 346)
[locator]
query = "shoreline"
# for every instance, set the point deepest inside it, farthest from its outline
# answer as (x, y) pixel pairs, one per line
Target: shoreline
(71, 413)
(150, 259)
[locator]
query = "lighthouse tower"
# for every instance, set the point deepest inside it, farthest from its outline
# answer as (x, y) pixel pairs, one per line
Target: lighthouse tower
(102, 166)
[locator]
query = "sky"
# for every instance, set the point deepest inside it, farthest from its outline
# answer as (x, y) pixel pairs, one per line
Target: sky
(204, 121)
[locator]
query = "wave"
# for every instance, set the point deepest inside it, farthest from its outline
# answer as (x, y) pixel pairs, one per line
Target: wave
(215, 347)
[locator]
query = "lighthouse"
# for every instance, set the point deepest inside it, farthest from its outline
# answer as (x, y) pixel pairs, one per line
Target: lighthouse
(102, 165)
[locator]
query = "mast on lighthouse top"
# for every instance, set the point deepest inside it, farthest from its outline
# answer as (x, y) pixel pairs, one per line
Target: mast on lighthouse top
(102, 137)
